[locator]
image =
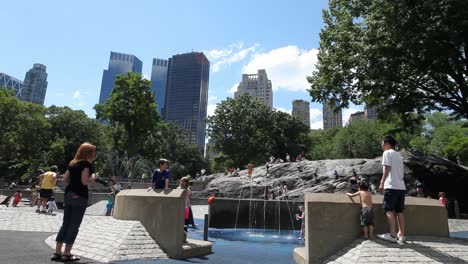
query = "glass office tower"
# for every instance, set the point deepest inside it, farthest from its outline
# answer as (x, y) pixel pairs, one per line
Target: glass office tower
(119, 63)
(158, 82)
(187, 94)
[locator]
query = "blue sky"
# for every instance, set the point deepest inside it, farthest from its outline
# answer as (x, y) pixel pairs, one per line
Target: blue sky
(74, 39)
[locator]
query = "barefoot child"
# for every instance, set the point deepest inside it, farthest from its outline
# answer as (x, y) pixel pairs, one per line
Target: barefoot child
(301, 216)
(367, 215)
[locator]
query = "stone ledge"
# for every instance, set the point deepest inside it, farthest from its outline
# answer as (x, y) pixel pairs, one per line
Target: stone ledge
(300, 255)
(195, 248)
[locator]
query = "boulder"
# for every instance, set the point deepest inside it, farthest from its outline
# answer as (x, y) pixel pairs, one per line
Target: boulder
(436, 173)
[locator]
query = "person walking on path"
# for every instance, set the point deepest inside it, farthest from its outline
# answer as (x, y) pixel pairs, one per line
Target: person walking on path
(161, 176)
(48, 181)
(393, 187)
(79, 173)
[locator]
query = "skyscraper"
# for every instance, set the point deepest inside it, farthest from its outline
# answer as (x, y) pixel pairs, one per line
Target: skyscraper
(35, 85)
(331, 118)
(11, 83)
(119, 63)
(158, 82)
(301, 110)
(258, 86)
(187, 94)
(357, 116)
(370, 113)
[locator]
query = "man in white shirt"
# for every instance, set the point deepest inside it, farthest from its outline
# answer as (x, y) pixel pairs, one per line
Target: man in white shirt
(394, 189)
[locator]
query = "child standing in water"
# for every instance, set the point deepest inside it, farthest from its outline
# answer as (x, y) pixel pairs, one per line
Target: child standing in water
(301, 216)
(367, 215)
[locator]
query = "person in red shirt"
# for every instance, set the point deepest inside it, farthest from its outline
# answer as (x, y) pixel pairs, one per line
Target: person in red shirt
(17, 198)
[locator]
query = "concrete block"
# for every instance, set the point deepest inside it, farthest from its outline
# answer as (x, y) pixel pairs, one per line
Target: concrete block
(160, 212)
(332, 222)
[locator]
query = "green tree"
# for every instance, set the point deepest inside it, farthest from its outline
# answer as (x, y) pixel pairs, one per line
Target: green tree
(321, 146)
(69, 129)
(245, 129)
(240, 129)
(131, 108)
(24, 134)
(360, 139)
(400, 55)
(288, 135)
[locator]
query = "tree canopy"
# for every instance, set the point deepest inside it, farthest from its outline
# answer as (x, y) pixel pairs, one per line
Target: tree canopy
(245, 129)
(400, 55)
(131, 107)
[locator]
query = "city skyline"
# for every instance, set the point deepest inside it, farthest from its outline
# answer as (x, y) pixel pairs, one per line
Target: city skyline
(76, 50)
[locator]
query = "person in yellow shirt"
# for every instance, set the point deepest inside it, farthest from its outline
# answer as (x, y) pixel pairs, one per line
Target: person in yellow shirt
(48, 181)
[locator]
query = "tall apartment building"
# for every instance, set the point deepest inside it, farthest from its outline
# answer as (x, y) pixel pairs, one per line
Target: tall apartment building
(11, 83)
(370, 113)
(158, 82)
(119, 63)
(301, 110)
(187, 95)
(258, 86)
(331, 118)
(357, 116)
(35, 84)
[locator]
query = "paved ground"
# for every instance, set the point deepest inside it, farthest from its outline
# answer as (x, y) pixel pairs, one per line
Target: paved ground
(101, 239)
(26, 248)
(104, 239)
(416, 250)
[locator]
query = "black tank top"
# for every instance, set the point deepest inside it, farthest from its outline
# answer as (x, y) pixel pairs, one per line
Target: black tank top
(75, 171)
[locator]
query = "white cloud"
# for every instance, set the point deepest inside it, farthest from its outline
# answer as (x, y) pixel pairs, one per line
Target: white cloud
(210, 109)
(76, 94)
(287, 67)
(212, 98)
(146, 76)
(347, 114)
(315, 114)
(316, 125)
(232, 54)
(316, 118)
(219, 53)
(234, 88)
(282, 109)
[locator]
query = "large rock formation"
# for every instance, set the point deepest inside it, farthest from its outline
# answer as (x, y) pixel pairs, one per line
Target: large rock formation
(437, 175)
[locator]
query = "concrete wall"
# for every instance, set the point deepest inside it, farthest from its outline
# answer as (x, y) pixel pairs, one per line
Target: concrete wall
(161, 213)
(223, 214)
(332, 222)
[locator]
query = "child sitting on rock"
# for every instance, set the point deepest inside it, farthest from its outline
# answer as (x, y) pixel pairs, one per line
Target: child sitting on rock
(367, 214)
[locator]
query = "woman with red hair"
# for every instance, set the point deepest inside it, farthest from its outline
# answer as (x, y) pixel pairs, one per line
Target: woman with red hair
(80, 171)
